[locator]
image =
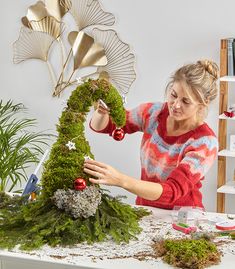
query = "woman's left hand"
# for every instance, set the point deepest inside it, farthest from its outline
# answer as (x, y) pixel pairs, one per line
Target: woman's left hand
(105, 173)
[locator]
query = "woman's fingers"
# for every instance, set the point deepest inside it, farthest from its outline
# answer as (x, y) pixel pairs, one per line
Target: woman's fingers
(102, 107)
(102, 104)
(93, 172)
(93, 162)
(97, 181)
(94, 168)
(102, 172)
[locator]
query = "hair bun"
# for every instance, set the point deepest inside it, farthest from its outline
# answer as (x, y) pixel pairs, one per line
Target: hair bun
(211, 67)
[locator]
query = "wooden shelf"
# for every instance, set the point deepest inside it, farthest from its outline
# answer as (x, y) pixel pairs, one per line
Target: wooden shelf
(228, 78)
(226, 153)
(223, 117)
(229, 188)
(224, 85)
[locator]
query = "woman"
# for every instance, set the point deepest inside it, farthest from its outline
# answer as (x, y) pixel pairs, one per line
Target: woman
(177, 147)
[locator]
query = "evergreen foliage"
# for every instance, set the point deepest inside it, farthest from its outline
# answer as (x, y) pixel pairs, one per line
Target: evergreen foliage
(33, 224)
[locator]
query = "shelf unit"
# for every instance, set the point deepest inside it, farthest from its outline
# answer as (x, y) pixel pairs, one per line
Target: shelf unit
(224, 185)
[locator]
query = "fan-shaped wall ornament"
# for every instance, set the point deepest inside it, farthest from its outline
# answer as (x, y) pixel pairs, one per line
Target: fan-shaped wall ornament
(120, 66)
(32, 45)
(102, 49)
(58, 8)
(48, 24)
(89, 12)
(85, 51)
(54, 8)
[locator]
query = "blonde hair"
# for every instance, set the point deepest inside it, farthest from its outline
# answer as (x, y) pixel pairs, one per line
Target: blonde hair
(200, 80)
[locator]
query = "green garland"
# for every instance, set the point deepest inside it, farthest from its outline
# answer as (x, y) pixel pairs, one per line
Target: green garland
(33, 224)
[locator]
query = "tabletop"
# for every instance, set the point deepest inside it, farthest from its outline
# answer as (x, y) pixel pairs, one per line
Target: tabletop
(108, 254)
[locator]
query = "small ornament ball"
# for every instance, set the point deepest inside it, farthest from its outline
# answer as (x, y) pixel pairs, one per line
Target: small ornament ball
(79, 184)
(118, 134)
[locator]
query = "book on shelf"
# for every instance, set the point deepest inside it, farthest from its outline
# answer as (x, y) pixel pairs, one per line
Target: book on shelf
(230, 56)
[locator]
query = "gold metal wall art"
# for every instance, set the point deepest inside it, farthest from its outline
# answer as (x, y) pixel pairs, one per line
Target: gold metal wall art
(32, 45)
(120, 61)
(54, 8)
(89, 12)
(81, 46)
(58, 8)
(48, 25)
(85, 51)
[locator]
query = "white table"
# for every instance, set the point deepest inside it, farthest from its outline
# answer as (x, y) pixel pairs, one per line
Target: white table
(87, 256)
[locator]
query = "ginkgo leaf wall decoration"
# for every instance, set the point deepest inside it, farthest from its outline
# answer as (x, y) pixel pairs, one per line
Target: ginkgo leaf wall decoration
(84, 45)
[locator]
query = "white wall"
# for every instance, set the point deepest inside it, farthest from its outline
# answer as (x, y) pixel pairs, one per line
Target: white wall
(163, 35)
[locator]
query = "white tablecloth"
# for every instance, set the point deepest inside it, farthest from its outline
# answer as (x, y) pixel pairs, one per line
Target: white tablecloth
(110, 255)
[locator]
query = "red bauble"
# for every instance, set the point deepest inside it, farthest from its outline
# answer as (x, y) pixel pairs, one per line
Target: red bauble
(118, 134)
(79, 184)
(229, 114)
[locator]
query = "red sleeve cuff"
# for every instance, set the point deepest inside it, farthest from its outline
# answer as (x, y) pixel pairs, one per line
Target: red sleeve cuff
(168, 195)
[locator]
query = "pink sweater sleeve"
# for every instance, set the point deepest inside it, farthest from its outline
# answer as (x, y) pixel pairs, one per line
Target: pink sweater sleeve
(136, 119)
(186, 177)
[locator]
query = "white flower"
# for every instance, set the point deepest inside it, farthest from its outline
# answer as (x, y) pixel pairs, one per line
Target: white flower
(87, 157)
(71, 145)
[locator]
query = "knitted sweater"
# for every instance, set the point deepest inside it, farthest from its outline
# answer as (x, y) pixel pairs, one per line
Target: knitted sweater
(178, 163)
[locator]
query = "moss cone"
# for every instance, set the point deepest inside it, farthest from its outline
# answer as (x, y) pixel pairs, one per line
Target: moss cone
(33, 224)
(65, 165)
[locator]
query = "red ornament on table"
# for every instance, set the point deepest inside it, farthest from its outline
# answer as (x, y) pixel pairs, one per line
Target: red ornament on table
(79, 184)
(118, 134)
(229, 114)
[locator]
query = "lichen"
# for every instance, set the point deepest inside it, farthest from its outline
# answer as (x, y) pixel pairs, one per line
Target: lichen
(81, 204)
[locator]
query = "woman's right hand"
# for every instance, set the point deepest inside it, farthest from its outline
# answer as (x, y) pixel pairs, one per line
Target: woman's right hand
(102, 107)
(100, 117)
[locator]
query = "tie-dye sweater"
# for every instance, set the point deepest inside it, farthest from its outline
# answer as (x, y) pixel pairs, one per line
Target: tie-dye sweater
(178, 163)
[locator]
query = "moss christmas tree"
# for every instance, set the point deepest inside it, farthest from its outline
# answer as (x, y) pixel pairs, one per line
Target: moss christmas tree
(65, 213)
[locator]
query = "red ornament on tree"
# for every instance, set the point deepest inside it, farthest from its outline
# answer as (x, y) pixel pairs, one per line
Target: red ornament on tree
(79, 184)
(118, 134)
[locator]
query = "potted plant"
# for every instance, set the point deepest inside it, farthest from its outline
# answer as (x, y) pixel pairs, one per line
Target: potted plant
(20, 147)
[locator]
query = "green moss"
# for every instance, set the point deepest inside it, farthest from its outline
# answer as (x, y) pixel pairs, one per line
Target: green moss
(65, 165)
(37, 223)
(188, 253)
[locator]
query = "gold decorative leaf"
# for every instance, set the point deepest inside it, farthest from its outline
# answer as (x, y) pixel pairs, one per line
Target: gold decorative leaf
(58, 8)
(85, 51)
(35, 13)
(47, 25)
(31, 45)
(89, 12)
(120, 66)
(52, 8)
